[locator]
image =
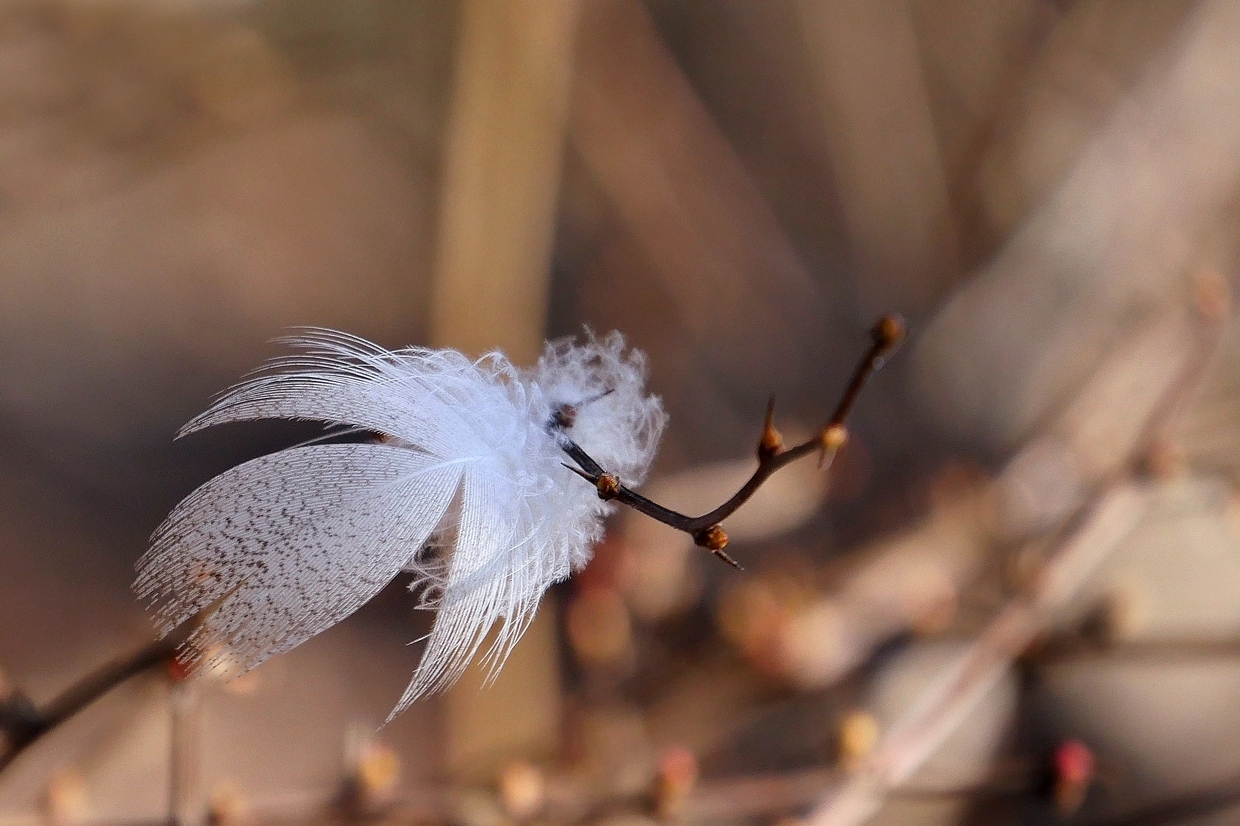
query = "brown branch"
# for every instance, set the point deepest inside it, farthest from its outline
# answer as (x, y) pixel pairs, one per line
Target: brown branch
(1193, 805)
(23, 723)
(706, 531)
(1073, 647)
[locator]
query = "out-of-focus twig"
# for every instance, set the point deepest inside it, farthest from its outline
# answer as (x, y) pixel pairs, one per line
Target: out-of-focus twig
(1073, 648)
(23, 723)
(564, 801)
(1102, 525)
(1190, 806)
(184, 776)
(1087, 537)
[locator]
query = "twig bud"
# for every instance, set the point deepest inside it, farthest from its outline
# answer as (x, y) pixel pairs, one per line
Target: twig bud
(564, 417)
(608, 486)
(65, 796)
(1211, 295)
(712, 539)
(677, 775)
(889, 331)
(178, 668)
(522, 790)
(1074, 769)
(834, 436)
(858, 735)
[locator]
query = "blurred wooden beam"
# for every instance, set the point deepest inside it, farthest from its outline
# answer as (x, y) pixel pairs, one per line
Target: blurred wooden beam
(501, 175)
(884, 149)
(957, 690)
(502, 163)
(671, 176)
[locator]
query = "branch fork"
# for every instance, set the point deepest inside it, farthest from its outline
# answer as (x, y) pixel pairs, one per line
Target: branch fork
(707, 530)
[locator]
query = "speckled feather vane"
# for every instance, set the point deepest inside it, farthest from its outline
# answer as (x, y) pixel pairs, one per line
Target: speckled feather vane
(466, 488)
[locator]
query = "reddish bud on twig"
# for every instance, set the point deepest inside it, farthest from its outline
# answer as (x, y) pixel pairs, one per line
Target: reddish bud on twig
(834, 437)
(179, 670)
(1074, 768)
(678, 774)
(522, 790)
(608, 486)
(858, 735)
(564, 417)
(714, 539)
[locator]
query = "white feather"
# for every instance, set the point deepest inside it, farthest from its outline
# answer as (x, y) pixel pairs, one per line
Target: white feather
(294, 542)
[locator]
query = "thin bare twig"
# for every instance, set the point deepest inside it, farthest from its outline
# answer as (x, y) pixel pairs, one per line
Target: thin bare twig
(1082, 646)
(706, 531)
(23, 723)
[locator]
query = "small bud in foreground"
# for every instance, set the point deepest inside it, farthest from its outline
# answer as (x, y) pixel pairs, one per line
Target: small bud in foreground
(715, 540)
(564, 417)
(608, 486)
(178, 670)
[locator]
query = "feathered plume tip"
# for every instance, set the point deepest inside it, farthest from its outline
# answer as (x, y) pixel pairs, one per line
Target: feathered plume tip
(465, 487)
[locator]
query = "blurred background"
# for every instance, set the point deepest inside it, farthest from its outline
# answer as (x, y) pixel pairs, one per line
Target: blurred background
(1012, 600)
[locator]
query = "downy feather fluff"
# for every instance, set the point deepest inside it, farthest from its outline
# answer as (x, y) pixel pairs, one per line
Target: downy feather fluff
(466, 488)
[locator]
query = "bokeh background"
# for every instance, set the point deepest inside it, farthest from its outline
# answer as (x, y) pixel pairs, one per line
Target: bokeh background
(1046, 189)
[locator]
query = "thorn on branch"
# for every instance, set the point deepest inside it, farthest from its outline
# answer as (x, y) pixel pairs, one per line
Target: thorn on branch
(771, 443)
(579, 472)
